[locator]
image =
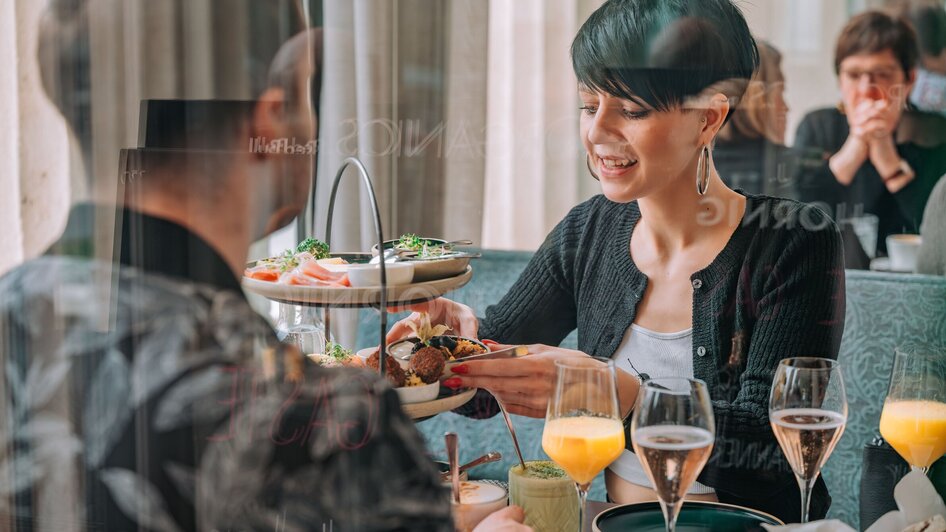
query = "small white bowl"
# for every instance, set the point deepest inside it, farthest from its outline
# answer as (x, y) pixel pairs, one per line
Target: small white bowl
(365, 353)
(418, 394)
(398, 273)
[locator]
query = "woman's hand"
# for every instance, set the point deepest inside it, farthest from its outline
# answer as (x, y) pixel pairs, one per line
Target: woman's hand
(460, 318)
(524, 385)
(509, 519)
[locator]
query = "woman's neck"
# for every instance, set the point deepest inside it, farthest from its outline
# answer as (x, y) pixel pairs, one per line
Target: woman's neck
(678, 217)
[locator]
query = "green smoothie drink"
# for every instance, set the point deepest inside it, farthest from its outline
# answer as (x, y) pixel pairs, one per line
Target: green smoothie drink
(546, 494)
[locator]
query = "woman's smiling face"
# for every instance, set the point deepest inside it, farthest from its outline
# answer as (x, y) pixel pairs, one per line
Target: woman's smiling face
(636, 150)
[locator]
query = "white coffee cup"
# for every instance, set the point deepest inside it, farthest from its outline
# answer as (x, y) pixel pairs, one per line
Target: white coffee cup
(902, 250)
(478, 499)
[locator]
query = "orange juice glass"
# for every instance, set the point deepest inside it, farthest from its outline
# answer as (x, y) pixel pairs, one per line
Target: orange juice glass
(583, 446)
(916, 429)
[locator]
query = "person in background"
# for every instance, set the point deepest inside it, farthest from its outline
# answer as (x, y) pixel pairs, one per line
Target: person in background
(143, 392)
(857, 158)
(931, 258)
(750, 149)
(928, 18)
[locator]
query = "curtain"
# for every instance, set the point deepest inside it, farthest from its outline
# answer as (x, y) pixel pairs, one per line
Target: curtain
(535, 165)
(11, 240)
(34, 171)
(404, 91)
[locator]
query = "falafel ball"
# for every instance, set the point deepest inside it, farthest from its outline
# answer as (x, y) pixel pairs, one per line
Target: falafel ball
(392, 369)
(428, 364)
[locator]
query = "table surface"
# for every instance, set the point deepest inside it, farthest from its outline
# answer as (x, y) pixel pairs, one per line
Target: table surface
(594, 508)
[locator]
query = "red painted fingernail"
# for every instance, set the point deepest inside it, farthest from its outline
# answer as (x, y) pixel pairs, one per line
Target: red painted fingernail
(489, 342)
(462, 370)
(453, 383)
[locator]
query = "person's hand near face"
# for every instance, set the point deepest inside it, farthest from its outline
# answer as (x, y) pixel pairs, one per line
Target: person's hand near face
(874, 89)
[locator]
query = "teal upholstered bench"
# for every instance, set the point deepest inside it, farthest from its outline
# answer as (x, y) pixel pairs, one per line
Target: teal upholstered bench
(883, 310)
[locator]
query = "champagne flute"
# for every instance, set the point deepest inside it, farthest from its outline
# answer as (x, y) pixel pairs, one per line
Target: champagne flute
(583, 430)
(913, 420)
(808, 411)
(673, 430)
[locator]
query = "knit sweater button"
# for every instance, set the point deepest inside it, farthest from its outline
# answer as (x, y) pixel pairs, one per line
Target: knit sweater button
(701, 351)
(697, 284)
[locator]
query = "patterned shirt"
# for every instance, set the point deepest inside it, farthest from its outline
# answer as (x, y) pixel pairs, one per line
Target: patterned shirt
(146, 394)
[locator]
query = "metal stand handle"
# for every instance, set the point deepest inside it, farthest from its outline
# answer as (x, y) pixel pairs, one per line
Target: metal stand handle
(383, 309)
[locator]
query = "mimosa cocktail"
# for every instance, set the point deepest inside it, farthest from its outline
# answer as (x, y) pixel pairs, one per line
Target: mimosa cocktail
(916, 429)
(583, 446)
(913, 420)
(583, 429)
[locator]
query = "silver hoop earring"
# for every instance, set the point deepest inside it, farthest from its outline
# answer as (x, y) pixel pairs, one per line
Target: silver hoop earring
(588, 164)
(702, 171)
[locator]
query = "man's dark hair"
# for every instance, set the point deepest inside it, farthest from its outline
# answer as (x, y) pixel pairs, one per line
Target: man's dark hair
(661, 52)
(873, 32)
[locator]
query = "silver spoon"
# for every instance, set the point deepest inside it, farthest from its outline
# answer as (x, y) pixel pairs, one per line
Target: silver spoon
(452, 442)
(487, 458)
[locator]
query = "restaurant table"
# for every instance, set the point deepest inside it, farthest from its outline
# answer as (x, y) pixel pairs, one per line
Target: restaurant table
(593, 509)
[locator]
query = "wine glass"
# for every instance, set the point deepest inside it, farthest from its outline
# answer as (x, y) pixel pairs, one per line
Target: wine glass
(583, 430)
(913, 420)
(673, 430)
(808, 411)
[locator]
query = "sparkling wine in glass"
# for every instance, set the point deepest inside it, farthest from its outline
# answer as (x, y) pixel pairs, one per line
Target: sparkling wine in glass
(808, 411)
(913, 420)
(673, 430)
(583, 430)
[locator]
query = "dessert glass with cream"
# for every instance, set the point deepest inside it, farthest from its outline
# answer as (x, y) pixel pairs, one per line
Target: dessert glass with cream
(478, 499)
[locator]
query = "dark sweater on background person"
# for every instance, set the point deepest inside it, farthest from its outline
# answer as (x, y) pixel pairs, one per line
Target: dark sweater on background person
(756, 166)
(821, 135)
(775, 291)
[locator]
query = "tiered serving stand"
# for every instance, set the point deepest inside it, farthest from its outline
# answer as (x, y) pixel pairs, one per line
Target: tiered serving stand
(380, 297)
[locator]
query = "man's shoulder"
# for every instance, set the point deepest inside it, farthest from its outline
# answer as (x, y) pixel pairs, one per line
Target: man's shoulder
(115, 302)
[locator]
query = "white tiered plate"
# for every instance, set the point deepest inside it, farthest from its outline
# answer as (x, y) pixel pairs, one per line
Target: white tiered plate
(443, 403)
(323, 296)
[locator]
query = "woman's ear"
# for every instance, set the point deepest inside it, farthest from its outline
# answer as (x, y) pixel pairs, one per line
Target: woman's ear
(269, 115)
(715, 113)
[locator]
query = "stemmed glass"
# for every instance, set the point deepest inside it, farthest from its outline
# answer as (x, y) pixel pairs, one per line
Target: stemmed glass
(808, 411)
(913, 420)
(583, 429)
(673, 430)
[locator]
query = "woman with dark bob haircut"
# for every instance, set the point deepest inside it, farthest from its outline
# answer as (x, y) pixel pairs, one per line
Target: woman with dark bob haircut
(669, 272)
(872, 154)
